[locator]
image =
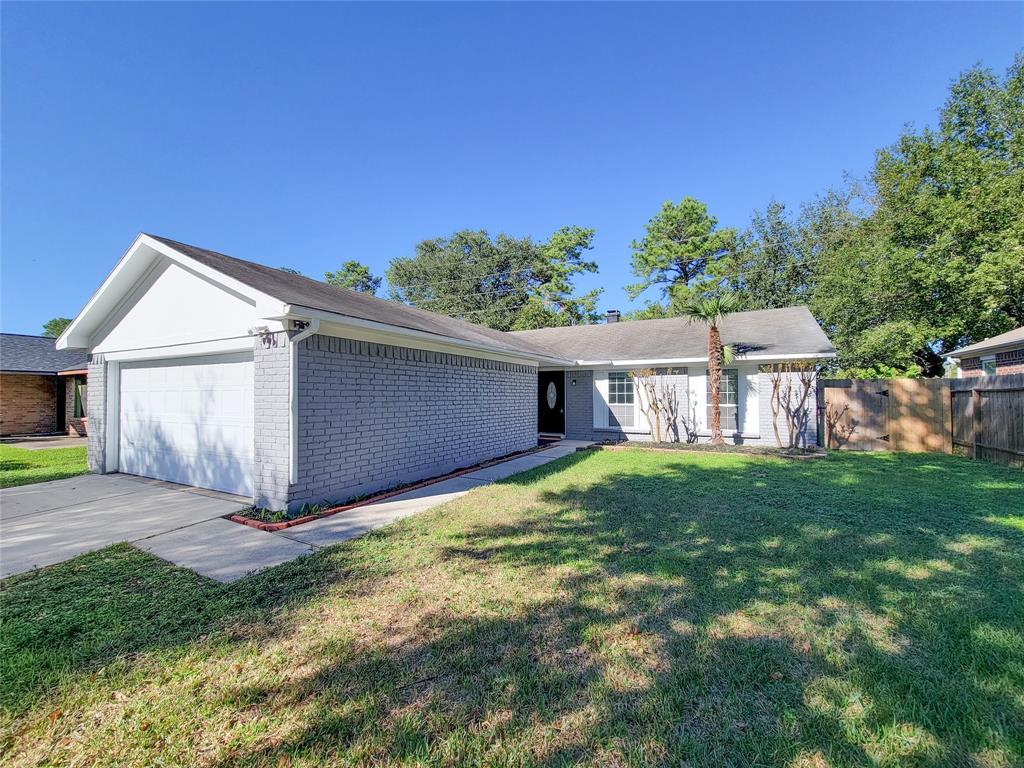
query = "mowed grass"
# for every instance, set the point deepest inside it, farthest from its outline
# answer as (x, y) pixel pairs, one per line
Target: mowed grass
(19, 466)
(612, 608)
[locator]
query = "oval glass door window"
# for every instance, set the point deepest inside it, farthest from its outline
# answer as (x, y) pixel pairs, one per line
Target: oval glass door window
(552, 395)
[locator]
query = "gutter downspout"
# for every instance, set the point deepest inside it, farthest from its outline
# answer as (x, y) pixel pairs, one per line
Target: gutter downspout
(312, 326)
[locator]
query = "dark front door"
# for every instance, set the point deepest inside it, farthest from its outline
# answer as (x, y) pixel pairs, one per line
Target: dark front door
(551, 402)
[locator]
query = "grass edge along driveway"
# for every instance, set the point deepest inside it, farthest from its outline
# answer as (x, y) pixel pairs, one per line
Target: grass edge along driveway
(612, 608)
(20, 466)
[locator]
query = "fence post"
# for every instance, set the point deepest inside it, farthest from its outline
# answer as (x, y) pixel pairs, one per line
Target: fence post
(975, 416)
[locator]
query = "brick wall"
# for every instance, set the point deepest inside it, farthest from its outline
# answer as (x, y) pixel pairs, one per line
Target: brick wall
(1010, 362)
(372, 416)
(808, 430)
(1006, 363)
(579, 406)
(96, 409)
(271, 380)
(28, 404)
(76, 427)
(579, 412)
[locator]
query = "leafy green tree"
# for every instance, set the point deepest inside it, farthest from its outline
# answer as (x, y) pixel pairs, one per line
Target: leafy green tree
(55, 327)
(504, 282)
(938, 260)
(354, 276)
(681, 246)
(710, 310)
(767, 269)
(290, 270)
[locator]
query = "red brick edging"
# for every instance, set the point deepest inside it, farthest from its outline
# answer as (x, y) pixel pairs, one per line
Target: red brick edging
(271, 527)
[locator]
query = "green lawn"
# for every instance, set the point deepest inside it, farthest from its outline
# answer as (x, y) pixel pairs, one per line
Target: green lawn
(612, 608)
(21, 467)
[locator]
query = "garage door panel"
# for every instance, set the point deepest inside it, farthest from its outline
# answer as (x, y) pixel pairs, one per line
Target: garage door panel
(189, 421)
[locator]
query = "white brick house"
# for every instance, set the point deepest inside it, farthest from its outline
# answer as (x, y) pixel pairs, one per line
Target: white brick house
(221, 373)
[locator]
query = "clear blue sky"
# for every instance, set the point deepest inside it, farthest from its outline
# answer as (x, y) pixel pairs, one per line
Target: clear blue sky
(304, 135)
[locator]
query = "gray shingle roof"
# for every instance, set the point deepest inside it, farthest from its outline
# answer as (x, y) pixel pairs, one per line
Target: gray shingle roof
(37, 354)
(306, 292)
(787, 331)
(1010, 339)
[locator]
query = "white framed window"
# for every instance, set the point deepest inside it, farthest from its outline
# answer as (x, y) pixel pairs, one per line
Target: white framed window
(729, 400)
(988, 366)
(621, 398)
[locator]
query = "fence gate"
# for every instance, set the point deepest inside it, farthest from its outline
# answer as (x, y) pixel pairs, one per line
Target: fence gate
(887, 414)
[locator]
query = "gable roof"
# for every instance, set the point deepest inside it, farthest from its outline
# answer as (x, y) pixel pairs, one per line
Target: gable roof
(1004, 341)
(786, 332)
(37, 354)
(280, 296)
(314, 294)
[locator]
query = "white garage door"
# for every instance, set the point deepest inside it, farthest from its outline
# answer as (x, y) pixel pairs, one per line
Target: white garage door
(189, 420)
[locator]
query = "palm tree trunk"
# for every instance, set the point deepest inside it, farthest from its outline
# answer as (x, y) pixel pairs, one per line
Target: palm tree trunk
(715, 381)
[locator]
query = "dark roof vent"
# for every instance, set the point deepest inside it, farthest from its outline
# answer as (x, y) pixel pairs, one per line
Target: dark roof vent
(612, 316)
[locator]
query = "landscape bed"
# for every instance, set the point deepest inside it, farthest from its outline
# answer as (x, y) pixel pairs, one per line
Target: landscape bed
(279, 520)
(611, 608)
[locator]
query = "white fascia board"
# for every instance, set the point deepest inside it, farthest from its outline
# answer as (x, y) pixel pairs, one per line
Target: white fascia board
(133, 266)
(383, 333)
(669, 361)
(214, 347)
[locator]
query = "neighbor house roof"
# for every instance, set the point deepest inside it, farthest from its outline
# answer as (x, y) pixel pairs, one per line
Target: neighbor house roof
(787, 332)
(37, 354)
(314, 294)
(1003, 342)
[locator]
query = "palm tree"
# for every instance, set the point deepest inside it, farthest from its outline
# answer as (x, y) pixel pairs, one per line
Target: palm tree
(711, 310)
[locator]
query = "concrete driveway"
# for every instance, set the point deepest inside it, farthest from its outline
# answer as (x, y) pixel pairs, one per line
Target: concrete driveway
(48, 523)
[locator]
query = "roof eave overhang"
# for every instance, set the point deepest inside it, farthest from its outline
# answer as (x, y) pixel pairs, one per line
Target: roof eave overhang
(959, 354)
(661, 362)
(298, 311)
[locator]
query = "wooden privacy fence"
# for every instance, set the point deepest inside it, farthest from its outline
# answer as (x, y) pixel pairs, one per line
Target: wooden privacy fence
(988, 418)
(983, 416)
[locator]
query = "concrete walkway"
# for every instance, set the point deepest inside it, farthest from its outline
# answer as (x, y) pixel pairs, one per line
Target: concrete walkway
(48, 523)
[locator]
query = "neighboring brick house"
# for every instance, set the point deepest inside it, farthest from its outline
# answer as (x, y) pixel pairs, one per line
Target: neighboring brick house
(42, 389)
(997, 356)
(220, 373)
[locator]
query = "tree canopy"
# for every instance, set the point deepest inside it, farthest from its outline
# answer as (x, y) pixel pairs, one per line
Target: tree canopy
(681, 243)
(923, 256)
(938, 260)
(355, 276)
(504, 282)
(55, 327)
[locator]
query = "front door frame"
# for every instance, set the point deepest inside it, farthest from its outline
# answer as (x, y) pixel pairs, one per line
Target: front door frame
(550, 376)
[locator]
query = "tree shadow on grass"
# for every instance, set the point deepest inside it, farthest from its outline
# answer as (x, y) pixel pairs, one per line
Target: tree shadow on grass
(79, 616)
(853, 611)
(859, 611)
